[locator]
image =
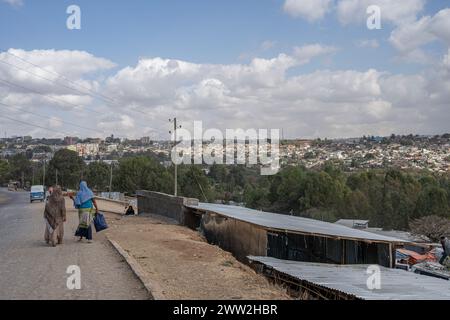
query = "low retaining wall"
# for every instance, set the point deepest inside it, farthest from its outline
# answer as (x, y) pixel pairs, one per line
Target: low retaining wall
(164, 205)
(114, 206)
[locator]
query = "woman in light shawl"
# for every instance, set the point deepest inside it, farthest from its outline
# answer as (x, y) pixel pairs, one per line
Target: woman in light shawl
(55, 216)
(85, 202)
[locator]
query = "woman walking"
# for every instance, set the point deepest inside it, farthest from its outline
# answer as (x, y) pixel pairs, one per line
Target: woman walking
(87, 208)
(55, 216)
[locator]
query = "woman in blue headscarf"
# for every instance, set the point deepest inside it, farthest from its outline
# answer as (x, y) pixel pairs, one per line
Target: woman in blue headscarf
(85, 202)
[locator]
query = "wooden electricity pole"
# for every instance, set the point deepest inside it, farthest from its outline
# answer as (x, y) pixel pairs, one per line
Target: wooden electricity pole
(175, 127)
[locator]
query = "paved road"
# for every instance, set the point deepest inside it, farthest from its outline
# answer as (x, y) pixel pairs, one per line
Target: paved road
(30, 269)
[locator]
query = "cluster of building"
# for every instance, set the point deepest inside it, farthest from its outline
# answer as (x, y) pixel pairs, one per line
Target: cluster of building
(89, 149)
(410, 152)
(403, 152)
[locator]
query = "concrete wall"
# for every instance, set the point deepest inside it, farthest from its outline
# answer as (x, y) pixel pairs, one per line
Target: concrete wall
(164, 205)
(114, 206)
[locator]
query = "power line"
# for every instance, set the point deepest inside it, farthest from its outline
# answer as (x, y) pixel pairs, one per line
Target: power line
(57, 74)
(41, 77)
(33, 125)
(94, 94)
(46, 96)
(44, 117)
(61, 101)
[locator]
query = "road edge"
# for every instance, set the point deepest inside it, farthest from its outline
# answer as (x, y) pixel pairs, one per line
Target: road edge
(152, 288)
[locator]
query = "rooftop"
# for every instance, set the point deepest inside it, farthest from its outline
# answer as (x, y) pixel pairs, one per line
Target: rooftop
(281, 222)
(353, 223)
(399, 235)
(351, 279)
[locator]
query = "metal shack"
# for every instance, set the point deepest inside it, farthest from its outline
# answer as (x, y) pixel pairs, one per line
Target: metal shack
(350, 282)
(245, 232)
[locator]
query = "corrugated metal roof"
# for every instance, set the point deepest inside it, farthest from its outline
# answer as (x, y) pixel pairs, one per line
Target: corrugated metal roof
(352, 279)
(292, 223)
(352, 222)
(399, 235)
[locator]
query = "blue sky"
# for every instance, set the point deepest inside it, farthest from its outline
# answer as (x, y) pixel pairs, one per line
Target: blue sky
(201, 31)
(229, 33)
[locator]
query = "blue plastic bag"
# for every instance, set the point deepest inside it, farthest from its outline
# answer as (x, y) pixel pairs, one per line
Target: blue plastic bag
(100, 222)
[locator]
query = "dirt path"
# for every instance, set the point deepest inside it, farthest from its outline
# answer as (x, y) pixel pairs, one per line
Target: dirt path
(184, 265)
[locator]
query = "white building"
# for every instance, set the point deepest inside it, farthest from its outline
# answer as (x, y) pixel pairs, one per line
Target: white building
(87, 149)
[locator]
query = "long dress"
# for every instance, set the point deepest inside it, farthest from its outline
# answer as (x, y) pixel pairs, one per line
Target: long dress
(54, 216)
(86, 214)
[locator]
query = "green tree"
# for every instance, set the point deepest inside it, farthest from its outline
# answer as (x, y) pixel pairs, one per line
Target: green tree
(69, 167)
(290, 188)
(20, 168)
(97, 175)
(432, 200)
(142, 173)
(4, 171)
(193, 183)
(256, 197)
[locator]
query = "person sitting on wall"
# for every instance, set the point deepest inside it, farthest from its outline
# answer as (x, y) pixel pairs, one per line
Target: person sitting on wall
(130, 211)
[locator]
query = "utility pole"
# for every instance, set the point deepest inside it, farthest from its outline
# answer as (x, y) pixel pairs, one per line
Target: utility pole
(175, 127)
(110, 178)
(43, 175)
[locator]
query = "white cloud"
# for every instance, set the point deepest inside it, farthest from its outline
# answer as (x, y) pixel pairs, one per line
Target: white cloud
(440, 26)
(55, 122)
(368, 43)
(355, 11)
(14, 3)
(46, 71)
(260, 94)
(395, 12)
(305, 53)
(409, 38)
(411, 32)
(311, 10)
(37, 80)
(446, 60)
(268, 44)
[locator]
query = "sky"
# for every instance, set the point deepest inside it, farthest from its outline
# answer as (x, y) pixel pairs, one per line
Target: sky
(312, 68)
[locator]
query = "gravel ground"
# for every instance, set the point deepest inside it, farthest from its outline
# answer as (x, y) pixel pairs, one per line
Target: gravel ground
(184, 265)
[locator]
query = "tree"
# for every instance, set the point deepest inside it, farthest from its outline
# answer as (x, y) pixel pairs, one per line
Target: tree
(4, 171)
(193, 183)
(432, 227)
(20, 168)
(432, 201)
(98, 175)
(289, 189)
(399, 198)
(142, 173)
(70, 169)
(256, 197)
